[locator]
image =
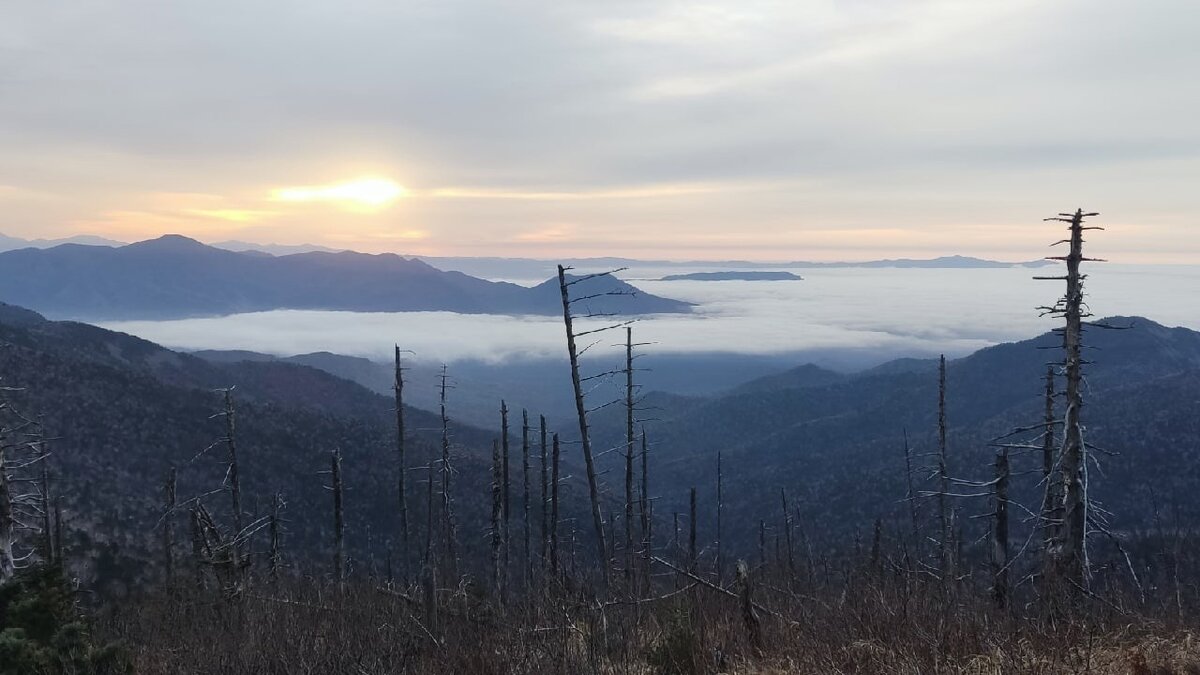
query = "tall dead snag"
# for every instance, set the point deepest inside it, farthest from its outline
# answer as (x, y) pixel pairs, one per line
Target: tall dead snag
(999, 548)
(497, 515)
(168, 527)
(911, 496)
(629, 440)
(581, 412)
(339, 518)
(21, 450)
(720, 507)
(504, 532)
(692, 533)
(944, 549)
(1069, 551)
(528, 560)
(545, 489)
(235, 484)
(401, 467)
(1052, 494)
(787, 533)
(275, 557)
(448, 525)
(644, 510)
(554, 510)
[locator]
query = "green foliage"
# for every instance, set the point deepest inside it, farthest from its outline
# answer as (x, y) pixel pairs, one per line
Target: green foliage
(41, 631)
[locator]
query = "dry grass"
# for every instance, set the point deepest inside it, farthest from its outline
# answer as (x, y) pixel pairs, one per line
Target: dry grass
(863, 627)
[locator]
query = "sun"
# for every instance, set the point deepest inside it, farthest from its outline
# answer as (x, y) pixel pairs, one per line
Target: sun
(362, 193)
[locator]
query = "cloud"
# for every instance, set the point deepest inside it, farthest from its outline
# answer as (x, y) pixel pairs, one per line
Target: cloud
(865, 315)
(630, 119)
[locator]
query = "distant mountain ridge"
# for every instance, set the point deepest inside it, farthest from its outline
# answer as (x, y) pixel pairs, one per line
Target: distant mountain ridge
(8, 243)
(177, 277)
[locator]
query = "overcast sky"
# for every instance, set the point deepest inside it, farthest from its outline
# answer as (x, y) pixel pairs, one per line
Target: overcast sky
(772, 130)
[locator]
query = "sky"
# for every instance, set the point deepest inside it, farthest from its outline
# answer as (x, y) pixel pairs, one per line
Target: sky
(791, 130)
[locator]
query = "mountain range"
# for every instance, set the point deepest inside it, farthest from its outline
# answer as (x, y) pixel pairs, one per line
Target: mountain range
(177, 277)
(124, 410)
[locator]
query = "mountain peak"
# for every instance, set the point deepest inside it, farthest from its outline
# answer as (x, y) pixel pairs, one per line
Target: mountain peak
(169, 242)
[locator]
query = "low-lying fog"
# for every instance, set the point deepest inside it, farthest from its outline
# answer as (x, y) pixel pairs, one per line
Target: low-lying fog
(843, 317)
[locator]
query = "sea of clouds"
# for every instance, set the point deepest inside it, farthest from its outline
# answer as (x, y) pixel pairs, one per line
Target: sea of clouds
(865, 315)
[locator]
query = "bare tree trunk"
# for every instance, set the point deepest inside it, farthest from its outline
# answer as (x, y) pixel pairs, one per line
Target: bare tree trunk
(275, 558)
(911, 496)
(692, 533)
(999, 552)
(1051, 511)
(447, 502)
(497, 515)
(629, 440)
(1072, 555)
(168, 527)
(402, 469)
(787, 534)
(198, 557)
(528, 561)
(47, 530)
(749, 612)
(585, 440)
(943, 475)
(339, 520)
(720, 508)
(235, 485)
(554, 509)
(505, 536)
(647, 537)
(545, 491)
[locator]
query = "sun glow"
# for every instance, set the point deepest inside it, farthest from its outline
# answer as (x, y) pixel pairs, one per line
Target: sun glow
(369, 193)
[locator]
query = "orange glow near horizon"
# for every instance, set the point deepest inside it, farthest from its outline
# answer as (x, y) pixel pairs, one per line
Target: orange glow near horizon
(362, 193)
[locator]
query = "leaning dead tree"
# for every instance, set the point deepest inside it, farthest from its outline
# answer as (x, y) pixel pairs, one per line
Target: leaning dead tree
(1068, 552)
(573, 352)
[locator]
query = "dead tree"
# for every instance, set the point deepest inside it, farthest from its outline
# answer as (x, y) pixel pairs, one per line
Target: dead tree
(692, 533)
(1051, 513)
(629, 452)
(943, 476)
(528, 560)
(274, 557)
(339, 518)
(720, 506)
(647, 538)
(554, 509)
(401, 467)
(545, 490)
(1069, 550)
(21, 450)
(235, 484)
(448, 524)
(910, 495)
(45, 500)
(504, 532)
(497, 515)
(999, 549)
(749, 611)
(168, 527)
(787, 533)
(581, 408)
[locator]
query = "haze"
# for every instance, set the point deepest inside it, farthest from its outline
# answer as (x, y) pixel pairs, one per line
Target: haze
(767, 130)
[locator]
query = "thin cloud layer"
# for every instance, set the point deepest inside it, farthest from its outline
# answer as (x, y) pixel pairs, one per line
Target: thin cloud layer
(762, 129)
(870, 315)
